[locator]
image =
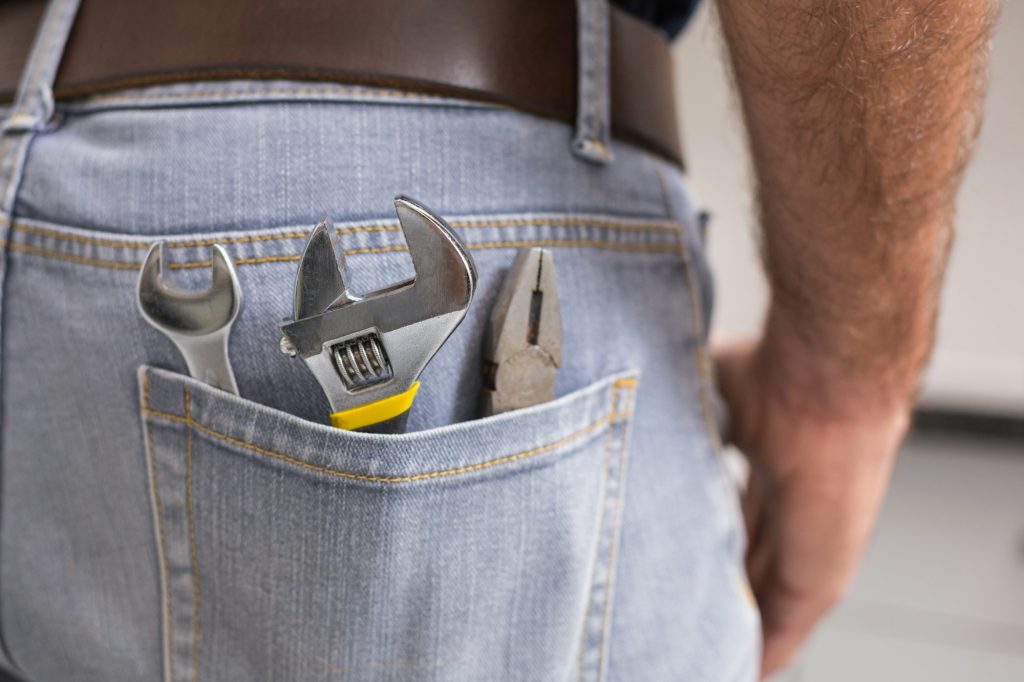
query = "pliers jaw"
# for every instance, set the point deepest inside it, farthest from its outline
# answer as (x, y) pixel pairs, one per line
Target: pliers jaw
(523, 343)
(364, 350)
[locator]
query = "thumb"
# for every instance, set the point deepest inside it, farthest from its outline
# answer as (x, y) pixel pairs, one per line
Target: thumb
(733, 362)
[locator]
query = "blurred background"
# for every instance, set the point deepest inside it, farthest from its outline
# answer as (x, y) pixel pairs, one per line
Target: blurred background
(940, 596)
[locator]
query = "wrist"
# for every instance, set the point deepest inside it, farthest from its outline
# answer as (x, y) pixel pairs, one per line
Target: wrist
(808, 371)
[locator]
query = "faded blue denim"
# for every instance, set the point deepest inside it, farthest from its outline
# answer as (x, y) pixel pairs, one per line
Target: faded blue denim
(154, 528)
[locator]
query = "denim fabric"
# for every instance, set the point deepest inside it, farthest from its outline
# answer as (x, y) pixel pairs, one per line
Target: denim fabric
(593, 132)
(385, 558)
(154, 528)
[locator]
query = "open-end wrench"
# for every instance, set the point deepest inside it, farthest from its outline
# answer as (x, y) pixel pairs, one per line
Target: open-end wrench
(197, 322)
(367, 352)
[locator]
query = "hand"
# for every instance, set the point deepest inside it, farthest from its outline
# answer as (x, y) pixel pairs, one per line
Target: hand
(817, 481)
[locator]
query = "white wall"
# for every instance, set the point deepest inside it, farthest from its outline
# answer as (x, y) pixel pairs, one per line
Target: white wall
(979, 359)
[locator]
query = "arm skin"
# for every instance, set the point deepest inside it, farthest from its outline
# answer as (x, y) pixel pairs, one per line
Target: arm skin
(861, 116)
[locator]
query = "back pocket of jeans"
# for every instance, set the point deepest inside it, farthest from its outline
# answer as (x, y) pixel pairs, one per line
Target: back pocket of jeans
(290, 550)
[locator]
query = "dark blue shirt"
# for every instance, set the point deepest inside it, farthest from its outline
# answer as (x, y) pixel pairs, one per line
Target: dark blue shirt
(669, 15)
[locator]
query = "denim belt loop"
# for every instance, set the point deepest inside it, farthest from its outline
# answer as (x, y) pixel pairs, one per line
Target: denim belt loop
(593, 118)
(32, 110)
(33, 105)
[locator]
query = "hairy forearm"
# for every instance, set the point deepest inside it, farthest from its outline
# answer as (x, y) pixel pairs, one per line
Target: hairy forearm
(860, 117)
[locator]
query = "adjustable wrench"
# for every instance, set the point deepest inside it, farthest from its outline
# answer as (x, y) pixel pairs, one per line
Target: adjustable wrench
(367, 352)
(197, 322)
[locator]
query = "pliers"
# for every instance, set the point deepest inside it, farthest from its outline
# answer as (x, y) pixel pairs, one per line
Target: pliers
(523, 342)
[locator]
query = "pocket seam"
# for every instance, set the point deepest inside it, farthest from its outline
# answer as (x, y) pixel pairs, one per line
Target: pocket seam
(614, 449)
(612, 417)
(597, 221)
(601, 244)
(193, 556)
(181, 638)
(166, 603)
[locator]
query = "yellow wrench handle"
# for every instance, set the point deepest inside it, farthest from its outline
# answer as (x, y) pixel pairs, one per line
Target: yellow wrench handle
(359, 418)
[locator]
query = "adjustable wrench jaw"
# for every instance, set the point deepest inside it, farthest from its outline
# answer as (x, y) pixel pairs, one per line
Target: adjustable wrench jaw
(363, 350)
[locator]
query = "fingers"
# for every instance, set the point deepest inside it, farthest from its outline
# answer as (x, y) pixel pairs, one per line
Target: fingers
(815, 488)
(732, 361)
(751, 505)
(788, 615)
(812, 530)
(759, 536)
(780, 646)
(735, 379)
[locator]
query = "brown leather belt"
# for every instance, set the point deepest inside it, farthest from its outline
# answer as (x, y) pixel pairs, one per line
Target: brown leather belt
(520, 53)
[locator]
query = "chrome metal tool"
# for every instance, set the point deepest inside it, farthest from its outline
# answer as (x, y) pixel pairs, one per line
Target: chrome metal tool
(523, 343)
(197, 322)
(367, 352)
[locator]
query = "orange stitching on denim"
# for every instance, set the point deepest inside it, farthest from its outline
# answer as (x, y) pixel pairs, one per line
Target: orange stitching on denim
(181, 244)
(616, 530)
(601, 147)
(608, 419)
(592, 243)
(124, 244)
(123, 265)
(667, 227)
(359, 229)
(145, 391)
(167, 607)
(81, 260)
(248, 239)
(396, 479)
(193, 558)
(187, 265)
(641, 226)
(605, 474)
(700, 356)
(362, 251)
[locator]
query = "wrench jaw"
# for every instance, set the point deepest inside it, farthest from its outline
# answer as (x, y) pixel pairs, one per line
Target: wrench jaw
(197, 322)
(445, 273)
(320, 284)
(189, 313)
(373, 348)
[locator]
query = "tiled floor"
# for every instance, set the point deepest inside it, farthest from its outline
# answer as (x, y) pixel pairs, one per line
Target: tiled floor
(940, 597)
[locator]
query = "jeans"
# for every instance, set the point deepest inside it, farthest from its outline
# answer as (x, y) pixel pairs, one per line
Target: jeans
(155, 528)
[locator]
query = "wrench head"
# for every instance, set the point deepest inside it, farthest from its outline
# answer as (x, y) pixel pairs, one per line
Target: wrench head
(445, 273)
(189, 313)
(368, 348)
(197, 322)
